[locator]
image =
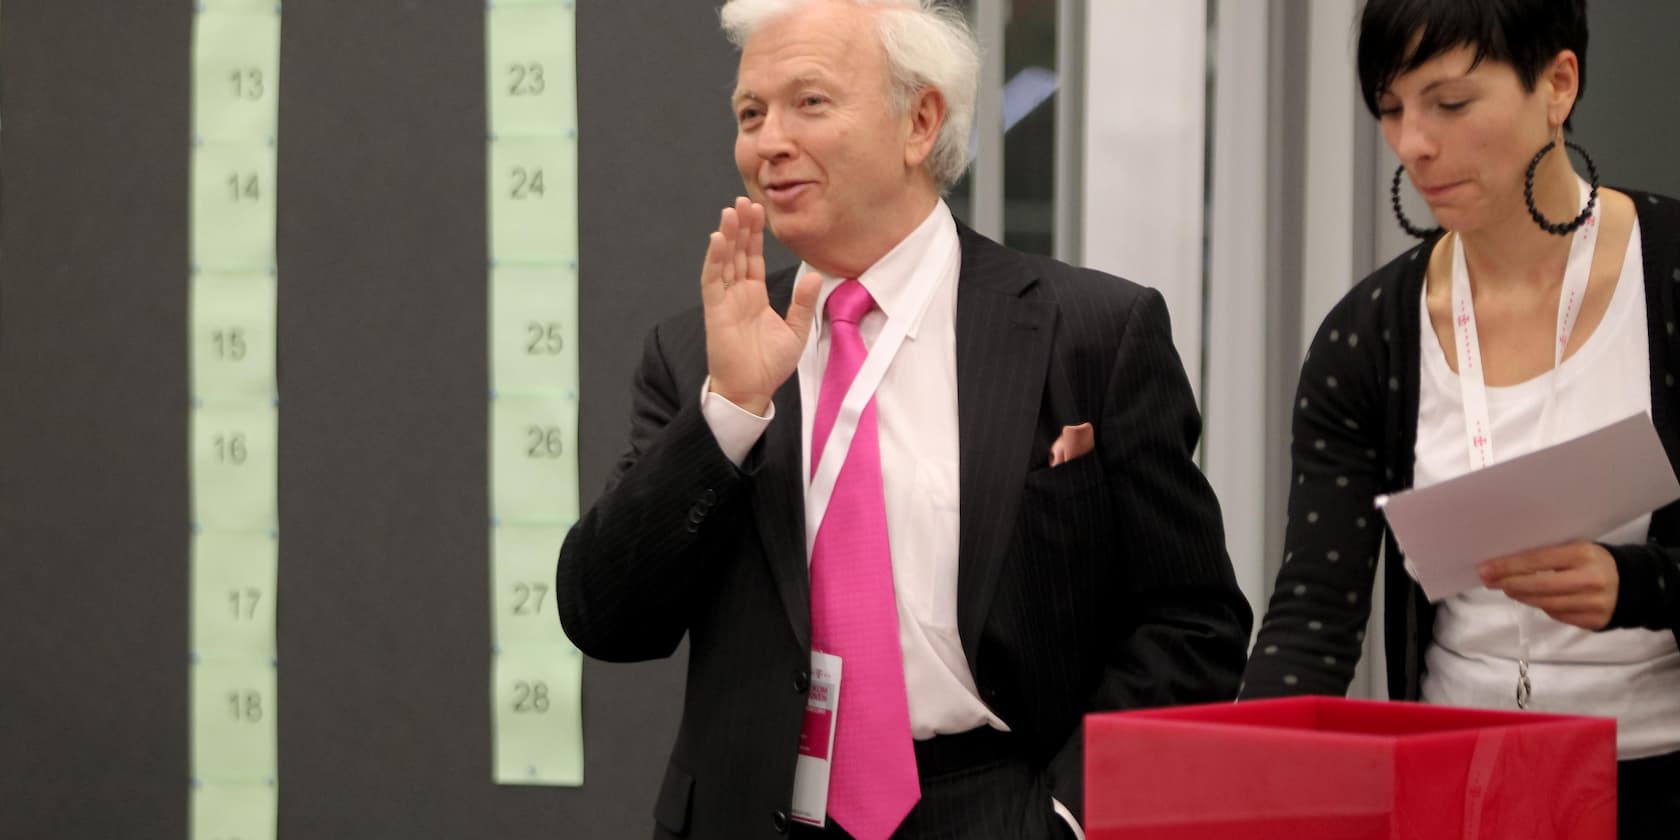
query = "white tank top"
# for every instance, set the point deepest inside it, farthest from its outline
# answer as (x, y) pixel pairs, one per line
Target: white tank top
(1631, 675)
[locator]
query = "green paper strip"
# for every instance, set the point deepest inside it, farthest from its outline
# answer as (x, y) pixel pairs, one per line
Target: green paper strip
(522, 586)
(234, 422)
(533, 469)
(533, 200)
(539, 725)
(233, 585)
(234, 707)
(235, 448)
(530, 83)
(533, 329)
(243, 6)
(233, 206)
(236, 67)
(531, 160)
(233, 335)
(235, 812)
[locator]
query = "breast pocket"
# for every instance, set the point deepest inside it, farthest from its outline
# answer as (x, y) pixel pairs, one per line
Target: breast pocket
(1071, 479)
(1067, 519)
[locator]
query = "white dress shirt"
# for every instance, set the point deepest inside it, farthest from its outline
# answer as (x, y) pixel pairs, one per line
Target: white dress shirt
(916, 410)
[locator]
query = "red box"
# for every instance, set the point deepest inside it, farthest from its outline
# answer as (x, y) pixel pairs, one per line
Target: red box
(1324, 768)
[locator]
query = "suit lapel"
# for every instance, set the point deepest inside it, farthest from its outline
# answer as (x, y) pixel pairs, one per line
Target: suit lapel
(1004, 332)
(779, 493)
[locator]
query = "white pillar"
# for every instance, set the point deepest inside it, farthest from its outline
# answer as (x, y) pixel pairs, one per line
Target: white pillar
(1144, 103)
(1234, 402)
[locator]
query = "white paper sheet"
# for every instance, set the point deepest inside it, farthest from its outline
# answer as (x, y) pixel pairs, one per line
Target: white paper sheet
(1575, 490)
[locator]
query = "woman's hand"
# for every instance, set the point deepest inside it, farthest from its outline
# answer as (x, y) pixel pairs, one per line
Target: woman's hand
(1575, 583)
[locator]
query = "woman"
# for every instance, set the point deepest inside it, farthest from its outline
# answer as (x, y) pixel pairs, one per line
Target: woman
(1560, 299)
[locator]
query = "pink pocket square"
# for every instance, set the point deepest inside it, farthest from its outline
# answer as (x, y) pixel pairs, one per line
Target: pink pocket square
(1074, 442)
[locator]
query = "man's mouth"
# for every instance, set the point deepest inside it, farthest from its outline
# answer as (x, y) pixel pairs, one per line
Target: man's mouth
(781, 192)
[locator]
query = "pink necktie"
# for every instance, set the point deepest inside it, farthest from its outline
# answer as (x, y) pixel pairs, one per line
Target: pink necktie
(854, 615)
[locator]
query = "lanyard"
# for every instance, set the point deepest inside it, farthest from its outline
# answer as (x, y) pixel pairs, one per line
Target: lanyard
(1478, 430)
(933, 266)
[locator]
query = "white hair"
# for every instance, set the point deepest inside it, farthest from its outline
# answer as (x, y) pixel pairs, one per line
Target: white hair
(928, 45)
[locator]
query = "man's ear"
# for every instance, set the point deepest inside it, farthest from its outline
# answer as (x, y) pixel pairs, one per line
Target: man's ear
(926, 117)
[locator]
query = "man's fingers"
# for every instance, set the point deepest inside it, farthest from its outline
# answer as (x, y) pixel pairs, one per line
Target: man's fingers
(755, 241)
(743, 238)
(802, 309)
(711, 271)
(729, 228)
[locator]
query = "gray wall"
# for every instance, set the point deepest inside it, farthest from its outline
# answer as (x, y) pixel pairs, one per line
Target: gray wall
(1629, 118)
(384, 630)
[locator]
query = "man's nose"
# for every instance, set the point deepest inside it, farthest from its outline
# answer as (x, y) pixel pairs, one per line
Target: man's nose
(774, 139)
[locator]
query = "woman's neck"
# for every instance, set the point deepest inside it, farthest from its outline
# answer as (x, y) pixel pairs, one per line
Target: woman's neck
(1512, 253)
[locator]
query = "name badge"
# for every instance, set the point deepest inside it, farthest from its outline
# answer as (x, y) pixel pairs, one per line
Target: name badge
(816, 741)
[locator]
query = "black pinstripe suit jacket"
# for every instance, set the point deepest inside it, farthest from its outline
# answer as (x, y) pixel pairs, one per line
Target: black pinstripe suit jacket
(1099, 584)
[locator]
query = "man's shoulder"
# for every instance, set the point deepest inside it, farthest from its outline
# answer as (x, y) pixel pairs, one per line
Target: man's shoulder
(1077, 285)
(1066, 284)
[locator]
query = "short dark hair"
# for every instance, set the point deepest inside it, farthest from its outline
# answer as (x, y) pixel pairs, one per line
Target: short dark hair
(1526, 34)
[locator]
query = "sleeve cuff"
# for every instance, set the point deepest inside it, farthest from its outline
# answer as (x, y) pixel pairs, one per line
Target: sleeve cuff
(1067, 816)
(1643, 596)
(735, 428)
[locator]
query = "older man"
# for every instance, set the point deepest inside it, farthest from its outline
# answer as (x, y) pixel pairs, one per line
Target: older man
(917, 511)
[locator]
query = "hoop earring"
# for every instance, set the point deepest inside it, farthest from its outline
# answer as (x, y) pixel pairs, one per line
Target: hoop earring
(1405, 223)
(1528, 191)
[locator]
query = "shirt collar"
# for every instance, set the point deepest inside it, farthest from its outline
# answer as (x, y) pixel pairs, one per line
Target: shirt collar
(888, 280)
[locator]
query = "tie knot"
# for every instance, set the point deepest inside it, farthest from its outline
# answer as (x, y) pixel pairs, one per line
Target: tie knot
(849, 302)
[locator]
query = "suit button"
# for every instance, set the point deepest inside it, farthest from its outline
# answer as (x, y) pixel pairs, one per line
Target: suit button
(695, 516)
(708, 498)
(779, 819)
(801, 681)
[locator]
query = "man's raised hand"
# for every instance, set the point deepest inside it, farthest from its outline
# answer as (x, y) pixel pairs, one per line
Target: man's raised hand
(750, 350)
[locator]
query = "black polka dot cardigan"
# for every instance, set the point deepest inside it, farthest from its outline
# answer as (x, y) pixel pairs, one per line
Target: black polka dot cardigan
(1354, 430)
